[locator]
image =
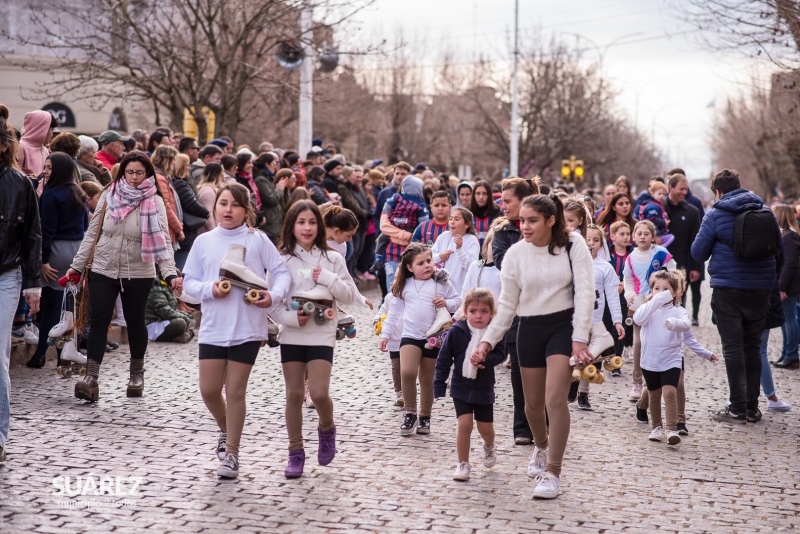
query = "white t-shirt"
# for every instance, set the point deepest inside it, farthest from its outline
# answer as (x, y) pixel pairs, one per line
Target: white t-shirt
(461, 258)
(418, 298)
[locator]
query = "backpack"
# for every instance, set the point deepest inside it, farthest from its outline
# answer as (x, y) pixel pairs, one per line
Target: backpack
(755, 235)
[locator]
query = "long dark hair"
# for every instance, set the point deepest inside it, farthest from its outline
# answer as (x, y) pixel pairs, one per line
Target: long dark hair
(8, 137)
(490, 209)
(550, 206)
(141, 157)
(63, 174)
(315, 174)
(289, 241)
(403, 272)
(609, 215)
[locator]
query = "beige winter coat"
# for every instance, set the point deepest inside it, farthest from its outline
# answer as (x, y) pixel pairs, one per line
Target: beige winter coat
(119, 249)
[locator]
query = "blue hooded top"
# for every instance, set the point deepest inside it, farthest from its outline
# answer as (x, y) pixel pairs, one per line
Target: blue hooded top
(718, 228)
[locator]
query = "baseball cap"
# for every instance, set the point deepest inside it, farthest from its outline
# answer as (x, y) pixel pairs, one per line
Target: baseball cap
(109, 137)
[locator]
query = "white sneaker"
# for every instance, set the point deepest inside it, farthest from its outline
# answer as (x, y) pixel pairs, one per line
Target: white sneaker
(538, 461)
(30, 334)
(489, 455)
(462, 471)
(778, 406)
(636, 393)
(673, 438)
(229, 468)
(548, 486)
(657, 434)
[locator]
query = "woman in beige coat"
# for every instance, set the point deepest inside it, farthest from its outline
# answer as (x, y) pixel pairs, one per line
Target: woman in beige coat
(134, 236)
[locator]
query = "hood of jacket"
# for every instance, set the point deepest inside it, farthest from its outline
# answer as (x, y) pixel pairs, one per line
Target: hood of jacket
(413, 186)
(644, 198)
(739, 200)
(36, 125)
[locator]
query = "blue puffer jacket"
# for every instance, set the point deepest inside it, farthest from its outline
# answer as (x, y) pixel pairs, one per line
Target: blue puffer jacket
(717, 228)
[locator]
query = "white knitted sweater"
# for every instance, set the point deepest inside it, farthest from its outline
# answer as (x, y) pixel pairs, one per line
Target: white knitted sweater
(535, 282)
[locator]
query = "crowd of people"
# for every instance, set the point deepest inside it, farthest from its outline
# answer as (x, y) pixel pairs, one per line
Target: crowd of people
(545, 278)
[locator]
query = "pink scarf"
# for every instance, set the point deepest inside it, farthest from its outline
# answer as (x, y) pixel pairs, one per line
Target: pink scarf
(253, 188)
(123, 198)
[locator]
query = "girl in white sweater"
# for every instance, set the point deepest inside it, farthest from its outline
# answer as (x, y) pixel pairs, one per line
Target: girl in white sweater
(663, 323)
(548, 281)
(482, 273)
(458, 247)
(320, 275)
(232, 332)
(420, 289)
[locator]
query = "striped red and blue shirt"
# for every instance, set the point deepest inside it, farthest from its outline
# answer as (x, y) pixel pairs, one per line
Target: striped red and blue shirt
(617, 261)
(482, 225)
(404, 212)
(428, 231)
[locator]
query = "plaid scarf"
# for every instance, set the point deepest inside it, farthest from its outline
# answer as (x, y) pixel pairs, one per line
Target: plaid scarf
(124, 198)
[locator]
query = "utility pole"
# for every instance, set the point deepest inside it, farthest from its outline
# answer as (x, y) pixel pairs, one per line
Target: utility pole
(513, 167)
(305, 126)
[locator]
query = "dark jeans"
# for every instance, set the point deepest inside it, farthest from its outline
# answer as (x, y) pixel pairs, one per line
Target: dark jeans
(382, 282)
(627, 341)
(367, 255)
(741, 316)
(49, 316)
(103, 293)
(358, 246)
(180, 258)
(521, 426)
(22, 312)
(695, 298)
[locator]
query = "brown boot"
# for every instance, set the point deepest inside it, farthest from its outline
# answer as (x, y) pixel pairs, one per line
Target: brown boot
(89, 388)
(136, 382)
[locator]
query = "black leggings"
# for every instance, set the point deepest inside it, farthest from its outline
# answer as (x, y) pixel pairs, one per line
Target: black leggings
(103, 293)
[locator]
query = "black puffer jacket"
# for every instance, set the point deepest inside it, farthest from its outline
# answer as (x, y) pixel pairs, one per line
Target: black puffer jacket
(189, 204)
(789, 279)
(504, 238)
(20, 229)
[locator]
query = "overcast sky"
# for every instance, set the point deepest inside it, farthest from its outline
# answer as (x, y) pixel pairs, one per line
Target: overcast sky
(646, 50)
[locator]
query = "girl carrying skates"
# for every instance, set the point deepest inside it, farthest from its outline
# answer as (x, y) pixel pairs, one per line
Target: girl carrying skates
(319, 277)
(458, 247)
(228, 348)
(420, 288)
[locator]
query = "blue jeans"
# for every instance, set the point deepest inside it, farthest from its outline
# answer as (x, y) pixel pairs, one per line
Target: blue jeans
(766, 373)
(790, 329)
(10, 286)
(390, 267)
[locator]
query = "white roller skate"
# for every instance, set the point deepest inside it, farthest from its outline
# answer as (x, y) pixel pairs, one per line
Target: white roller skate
(346, 326)
(72, 361)
(234, 272)
(600, 340)
(437, 333)
(317, 301)
(62, 331)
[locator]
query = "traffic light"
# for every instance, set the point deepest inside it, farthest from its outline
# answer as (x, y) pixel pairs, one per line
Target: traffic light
(565, 170)
(572, 169)
(578, 171)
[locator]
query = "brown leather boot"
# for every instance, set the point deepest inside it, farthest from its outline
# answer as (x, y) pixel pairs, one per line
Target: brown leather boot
(136, 382)
(89, 388)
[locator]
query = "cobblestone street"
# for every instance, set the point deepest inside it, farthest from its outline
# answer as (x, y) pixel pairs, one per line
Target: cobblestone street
(722, 478)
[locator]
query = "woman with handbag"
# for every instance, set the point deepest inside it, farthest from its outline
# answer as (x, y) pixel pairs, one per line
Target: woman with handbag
(194, 213)
(117, 257)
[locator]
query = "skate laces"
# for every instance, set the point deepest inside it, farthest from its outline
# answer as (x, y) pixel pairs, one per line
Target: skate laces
(295, 460)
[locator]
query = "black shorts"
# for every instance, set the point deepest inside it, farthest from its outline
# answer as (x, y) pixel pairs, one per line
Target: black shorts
(394, 354)
(540, 336)
(658, 379)
(305, 354)
(245, 353)
(426, 353)
(483, 413)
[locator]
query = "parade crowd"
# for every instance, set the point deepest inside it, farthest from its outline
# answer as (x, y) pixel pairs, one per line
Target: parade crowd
(266, 245)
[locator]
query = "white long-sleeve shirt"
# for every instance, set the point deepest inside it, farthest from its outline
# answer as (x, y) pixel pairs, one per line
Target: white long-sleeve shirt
(692, 344)
(536, 282)
(487, 277)
(394, 340)
(459, 261)
(663, 327)
(229, 321)
(342, 250)
(418, 298)
(606, 283)
(334, 276)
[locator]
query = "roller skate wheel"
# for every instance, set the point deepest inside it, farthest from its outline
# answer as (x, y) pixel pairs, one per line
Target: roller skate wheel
(60, 344)
(319, 319)
(50, 342)
(351, 331)
(60, 370)
(339, 335)
(68, 372)
(589, 371)
(329, 314)
(629, 321)
(225, 286)
(82, 372)
(253, 295)
(432, 341)
(294, 305)
(615, 362)
(308, 308)
(599, 378)
(576, 375)
(351, 336)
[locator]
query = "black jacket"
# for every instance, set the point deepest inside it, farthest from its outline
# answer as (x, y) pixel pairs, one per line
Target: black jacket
(684, 223)
(452, 354)
(189, 204)
(20, 229)
(354, 201)
(330, 184)
(789, 279)
(504, 238)
(317, 192)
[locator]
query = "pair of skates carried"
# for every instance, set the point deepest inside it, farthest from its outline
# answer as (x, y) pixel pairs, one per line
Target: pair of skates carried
(437, 333)
(600, 340)
(318, 302)
(234, 272)
(64, 334)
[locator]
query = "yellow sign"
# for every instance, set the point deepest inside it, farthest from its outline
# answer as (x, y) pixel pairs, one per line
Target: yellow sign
(190, 125)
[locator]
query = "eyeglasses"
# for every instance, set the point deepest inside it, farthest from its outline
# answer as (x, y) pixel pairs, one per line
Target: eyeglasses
(138, 174)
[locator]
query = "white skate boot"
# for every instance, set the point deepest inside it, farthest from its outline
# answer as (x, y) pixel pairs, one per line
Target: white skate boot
(62, 331)
(72, 361)
(346, 326)
(442, 322)
(234, 272)
(599, 340)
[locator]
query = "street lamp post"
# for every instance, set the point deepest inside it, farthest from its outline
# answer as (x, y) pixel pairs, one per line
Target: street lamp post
(306, 111)
(513, 166)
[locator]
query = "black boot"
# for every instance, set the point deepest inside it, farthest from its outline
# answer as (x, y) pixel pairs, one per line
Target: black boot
(89, 388)
(36, 362)
(136, 381)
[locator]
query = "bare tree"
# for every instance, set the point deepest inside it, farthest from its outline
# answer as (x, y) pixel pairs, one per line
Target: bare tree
(177, 54)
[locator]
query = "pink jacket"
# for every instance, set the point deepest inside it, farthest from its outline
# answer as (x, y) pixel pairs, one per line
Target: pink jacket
(32, 153)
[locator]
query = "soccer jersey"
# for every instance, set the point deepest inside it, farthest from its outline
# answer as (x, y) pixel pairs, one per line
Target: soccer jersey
(428, 231)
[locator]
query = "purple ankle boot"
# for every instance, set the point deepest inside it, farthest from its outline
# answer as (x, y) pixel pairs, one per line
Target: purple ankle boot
(294, 469)
(327, 446)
